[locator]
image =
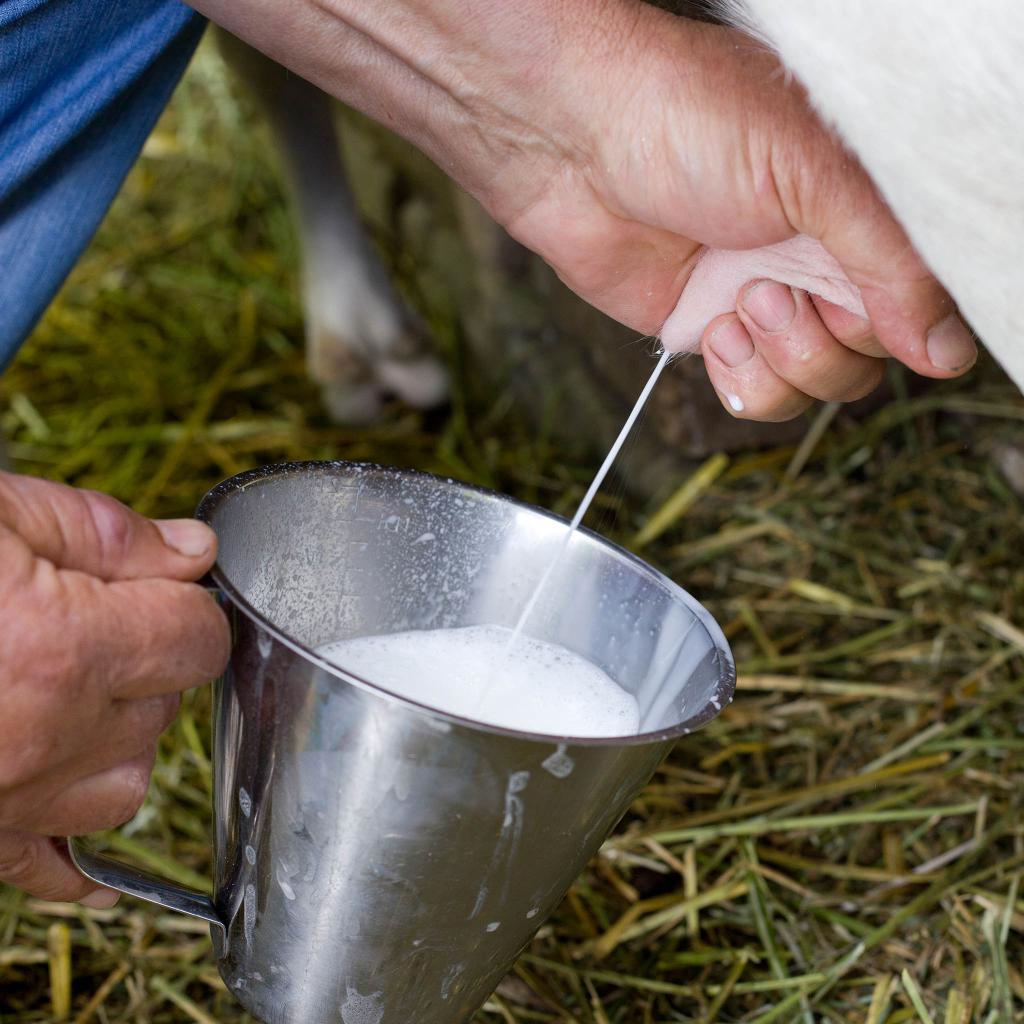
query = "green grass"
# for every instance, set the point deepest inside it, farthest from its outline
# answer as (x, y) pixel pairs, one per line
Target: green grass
(843, 844)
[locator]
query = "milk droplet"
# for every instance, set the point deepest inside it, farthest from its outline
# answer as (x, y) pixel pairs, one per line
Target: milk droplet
(249, 913)
(264, 643)
(559, 764)
(283, 880)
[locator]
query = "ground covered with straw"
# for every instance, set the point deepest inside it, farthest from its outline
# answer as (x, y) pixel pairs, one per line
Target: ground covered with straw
(844, 844)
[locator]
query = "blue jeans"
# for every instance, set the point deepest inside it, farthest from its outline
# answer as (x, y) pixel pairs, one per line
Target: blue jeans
(81, 84)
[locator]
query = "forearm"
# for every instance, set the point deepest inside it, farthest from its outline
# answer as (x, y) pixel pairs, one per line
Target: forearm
(471, 84)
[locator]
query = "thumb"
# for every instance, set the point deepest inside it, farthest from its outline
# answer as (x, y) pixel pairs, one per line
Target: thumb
(95, 534)
(911, 314)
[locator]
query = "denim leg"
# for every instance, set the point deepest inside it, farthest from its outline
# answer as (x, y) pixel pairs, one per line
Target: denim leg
(81, 85)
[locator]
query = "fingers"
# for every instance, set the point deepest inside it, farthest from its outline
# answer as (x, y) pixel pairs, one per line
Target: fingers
(912, 315)
(95, 534)
(747, 385)
(770, 359)
(130, 730)
(853, 331)
(41, 867)
(787, 331)
(57, 755)
(96, 802)
(85, 669)
(141, 638)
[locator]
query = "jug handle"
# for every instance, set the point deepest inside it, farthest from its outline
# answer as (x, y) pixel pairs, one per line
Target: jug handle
(115, 875)
(134, 882)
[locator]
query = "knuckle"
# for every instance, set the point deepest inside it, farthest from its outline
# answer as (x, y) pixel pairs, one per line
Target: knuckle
(856, 336)
(847, 380)
(17, 768)
(37, 745)
(131, 794)
(111, 525)
(793, 354)
(209, 638)
(862, 387)
(778, 411)
(169, 705)
(20, 860)
(151, 716)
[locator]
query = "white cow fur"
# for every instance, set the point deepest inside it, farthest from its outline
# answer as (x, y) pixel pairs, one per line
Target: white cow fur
(930, 96)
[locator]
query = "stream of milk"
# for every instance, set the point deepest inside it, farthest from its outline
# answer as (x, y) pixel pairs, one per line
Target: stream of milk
(504, 676)
(584, 505)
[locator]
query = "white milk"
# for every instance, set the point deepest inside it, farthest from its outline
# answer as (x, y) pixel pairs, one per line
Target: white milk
(542, 688)
(595, 484)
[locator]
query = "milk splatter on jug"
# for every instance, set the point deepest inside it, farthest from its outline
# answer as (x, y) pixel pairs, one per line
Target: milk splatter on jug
(544, 688)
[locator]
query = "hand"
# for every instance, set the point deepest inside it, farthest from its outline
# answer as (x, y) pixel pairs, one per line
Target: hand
(696, 158)
(624, 145)
(101, 630)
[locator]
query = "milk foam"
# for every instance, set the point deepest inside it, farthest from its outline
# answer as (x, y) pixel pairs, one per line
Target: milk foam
(541, 688)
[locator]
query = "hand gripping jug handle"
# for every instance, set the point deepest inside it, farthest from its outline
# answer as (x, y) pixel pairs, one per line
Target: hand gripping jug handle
(115, 874)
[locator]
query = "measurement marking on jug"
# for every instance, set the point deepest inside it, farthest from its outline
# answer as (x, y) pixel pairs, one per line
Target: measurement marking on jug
(245, 802)
(250, 855)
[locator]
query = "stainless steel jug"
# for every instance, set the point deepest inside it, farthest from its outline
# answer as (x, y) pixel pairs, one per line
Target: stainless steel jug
(378, 861)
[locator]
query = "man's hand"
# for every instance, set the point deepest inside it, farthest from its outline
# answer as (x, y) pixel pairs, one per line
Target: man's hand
(102, 629)
(623, 144)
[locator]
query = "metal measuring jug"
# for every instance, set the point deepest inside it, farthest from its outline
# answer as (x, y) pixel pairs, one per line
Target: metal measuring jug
(377, 861)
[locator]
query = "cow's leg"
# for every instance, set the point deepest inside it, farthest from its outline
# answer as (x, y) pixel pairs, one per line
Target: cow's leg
(362, 341)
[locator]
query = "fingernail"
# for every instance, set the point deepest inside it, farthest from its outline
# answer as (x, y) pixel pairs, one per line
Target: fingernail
(187, 536)
(950, 345)
(731, 343)
(735, 402)
(770, 305)
(100, 899)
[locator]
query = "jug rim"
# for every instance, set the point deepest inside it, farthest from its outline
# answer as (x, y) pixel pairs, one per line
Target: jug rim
(724, 690)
